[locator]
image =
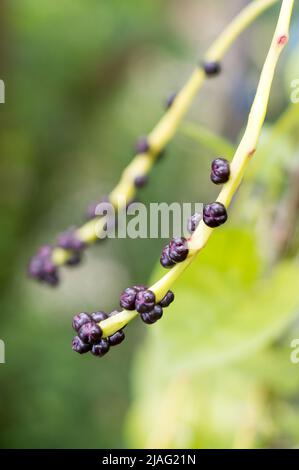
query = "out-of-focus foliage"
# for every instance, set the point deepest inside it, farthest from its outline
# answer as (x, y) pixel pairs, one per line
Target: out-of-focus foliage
(83, 79)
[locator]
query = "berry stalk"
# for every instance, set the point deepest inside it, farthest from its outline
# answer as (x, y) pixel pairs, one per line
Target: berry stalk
(149, 149)
(242, 157)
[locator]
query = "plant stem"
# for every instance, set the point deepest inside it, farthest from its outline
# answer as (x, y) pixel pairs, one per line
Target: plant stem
(167, 126)
(242, 157)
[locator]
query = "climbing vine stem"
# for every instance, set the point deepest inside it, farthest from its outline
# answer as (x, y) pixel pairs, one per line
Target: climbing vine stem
(241, 159)
(166, 127)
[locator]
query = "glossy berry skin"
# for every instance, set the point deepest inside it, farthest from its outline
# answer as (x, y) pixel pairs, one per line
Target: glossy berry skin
(139, 287)
(101, 348)
(80, 320)
(220, 171)
(178, 249)
(142, 145)
(145, 301)
(154, 315)
(90, 333)
(80, 347)
(70, 241)
(141, 181)
(212, 68)
(116, 338)
(99, 316)
(193, 222)
(127, 298)
(167, 299)
(214, 214)
(165, 260)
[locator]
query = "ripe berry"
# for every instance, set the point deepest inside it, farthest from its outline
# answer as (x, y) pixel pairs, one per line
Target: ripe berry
(154, 315)
(80, 347)
(178, 249)
(42, 268)
(70, 241)
(167, 299)
(170, 100)
(99, 316)
(220, 171)
(142, 145)
(145, 301)
(140, 181)
(139, 287)
(116, 338)
(214, 214)
(165, 260)
(101, 348)
(90, 333)
(75, 259)
(80, 320)
(193, 222)
(212, 68)
(127, 298)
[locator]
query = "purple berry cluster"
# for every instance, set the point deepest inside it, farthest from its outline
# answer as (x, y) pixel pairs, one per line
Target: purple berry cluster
(175, 252)
(89, 334)
(42, 268)
(69, 240)
(144, 301)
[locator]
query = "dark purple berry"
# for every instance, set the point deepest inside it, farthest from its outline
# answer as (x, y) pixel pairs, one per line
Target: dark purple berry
(80, 319)
(117, 338)
(127, 298)
(220, 171)
(193, 222)
(145, 301)
(69, 241)
(170, 100)
(178, 249)
(42, 268)
(99, 316)
(212, 68)
(167, 299)
(152, 316)
(101, 348)
(140, 287)
(165, 260)
(90, 332)
(140, 181)
(214, 214)
(142, 145)
(80, 347)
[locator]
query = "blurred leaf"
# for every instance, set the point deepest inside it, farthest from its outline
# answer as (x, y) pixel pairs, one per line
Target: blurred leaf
(208, 139)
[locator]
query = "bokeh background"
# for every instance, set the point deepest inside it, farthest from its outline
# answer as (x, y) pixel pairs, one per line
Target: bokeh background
(83, 80)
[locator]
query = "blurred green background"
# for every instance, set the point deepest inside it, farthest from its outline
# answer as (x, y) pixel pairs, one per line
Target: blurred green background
(83, 80)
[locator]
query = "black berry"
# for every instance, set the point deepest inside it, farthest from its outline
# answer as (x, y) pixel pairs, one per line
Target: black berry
(220, 171)
(142, 145)
(99, 316)
(42, 268)
(127, 298)
(170, 100)
(139, 287)
(214, 214)
(145, 301)
(140, 181)
(116, 338)
(165, 260)
(154, 315)
(80, 319)
(101, 348)
(212, 68)
(75, 259)
(193, 222)
(178, 249)
(90, 333)
(167, 299)
(80, 347)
